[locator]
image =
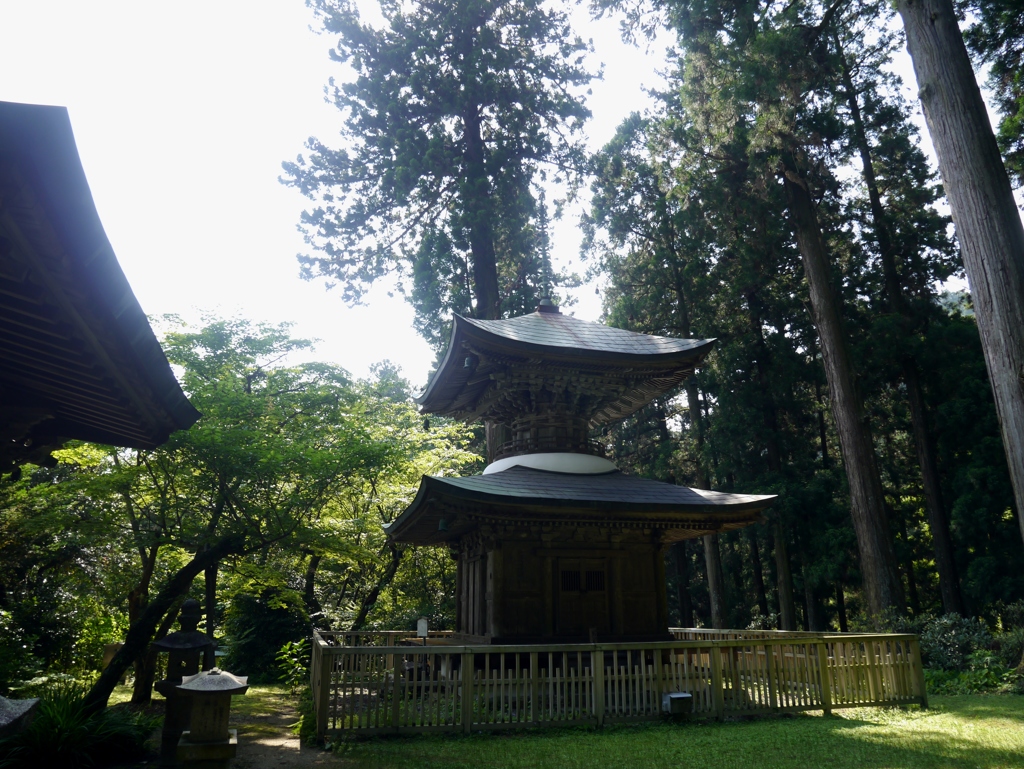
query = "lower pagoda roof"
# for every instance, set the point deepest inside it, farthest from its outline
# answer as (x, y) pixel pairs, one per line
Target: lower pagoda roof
(445, 509)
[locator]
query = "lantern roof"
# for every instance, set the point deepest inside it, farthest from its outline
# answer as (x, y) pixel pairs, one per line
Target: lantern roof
(445, 509)
(615, 371)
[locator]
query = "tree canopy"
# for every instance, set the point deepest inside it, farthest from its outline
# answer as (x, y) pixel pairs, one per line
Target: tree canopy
(455, 113)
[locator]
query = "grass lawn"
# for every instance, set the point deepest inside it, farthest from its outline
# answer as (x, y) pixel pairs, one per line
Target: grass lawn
(969, 731)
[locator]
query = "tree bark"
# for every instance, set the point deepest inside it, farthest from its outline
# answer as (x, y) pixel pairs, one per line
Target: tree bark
(841, 608)
(758, 572)
(949, 580)
(988, 225)
(210, 585)
(313, 606)
(476, 197)
(874, 541)
(141, 631)
(370, 600)
(787, 606)
(716, 581)
(145, 665)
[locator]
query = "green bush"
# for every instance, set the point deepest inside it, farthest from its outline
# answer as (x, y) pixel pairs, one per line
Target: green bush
(948, 641)
(257, 628)
(64, 734)
(1011, 647)
(1012, 616)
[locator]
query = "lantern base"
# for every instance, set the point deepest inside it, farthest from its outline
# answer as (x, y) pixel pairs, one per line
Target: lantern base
(207, 755)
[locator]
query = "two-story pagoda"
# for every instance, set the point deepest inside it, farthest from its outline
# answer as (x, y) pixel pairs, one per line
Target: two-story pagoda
(553, 542)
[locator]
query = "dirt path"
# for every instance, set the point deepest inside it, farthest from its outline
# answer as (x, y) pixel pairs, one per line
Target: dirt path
(265, 738)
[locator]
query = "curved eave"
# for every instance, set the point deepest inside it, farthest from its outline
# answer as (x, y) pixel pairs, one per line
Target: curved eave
(451, 375)
(436, 498)
(96, 364)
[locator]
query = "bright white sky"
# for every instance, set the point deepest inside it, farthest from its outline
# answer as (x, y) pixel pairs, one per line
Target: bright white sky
(183, 113)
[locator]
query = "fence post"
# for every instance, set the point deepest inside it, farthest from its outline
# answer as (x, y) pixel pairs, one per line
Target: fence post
(396, 678)
(825, 674)
(917, 672)
(323, 664)
(467, 692)
(769, 659)
(534, 686)
(717, 684)
(874, 679)
(597, 663)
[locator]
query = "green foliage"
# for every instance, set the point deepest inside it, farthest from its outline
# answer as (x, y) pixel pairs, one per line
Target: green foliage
(983, 672)
(1011, 647)
(455, 113)
(997, 38)
(293, 660)
(257, 627)
(948, 642)
(64, 734)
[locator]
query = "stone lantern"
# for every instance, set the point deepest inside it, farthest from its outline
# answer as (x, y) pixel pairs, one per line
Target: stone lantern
(185, 649)
(208, 740)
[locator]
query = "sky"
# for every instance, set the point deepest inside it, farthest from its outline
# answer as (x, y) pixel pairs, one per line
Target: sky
(183, 113)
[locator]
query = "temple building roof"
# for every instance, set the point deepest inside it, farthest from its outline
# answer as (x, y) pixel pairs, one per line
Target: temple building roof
(447, 508)
(610, 373)
(78, 359)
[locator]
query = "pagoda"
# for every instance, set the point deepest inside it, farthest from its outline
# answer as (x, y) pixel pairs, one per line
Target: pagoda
(553, 543)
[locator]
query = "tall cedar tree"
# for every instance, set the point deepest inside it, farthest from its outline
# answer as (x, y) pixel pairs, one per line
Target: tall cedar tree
(743, 67)
(879, 134)
(456, 111)
(988, 224)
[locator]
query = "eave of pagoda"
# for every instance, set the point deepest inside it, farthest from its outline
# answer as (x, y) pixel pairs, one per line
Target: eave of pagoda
(446, 509)
(490, 376)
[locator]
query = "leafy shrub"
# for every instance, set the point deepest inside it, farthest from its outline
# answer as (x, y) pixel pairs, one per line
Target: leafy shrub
(1012, 616)
(948, 641)
(64, 734)
(293, 663)
(1011, 647)
(257, 628)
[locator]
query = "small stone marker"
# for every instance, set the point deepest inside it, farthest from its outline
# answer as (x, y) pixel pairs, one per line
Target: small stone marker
(209, 742)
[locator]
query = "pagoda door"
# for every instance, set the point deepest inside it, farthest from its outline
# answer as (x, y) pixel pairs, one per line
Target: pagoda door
(582, 585)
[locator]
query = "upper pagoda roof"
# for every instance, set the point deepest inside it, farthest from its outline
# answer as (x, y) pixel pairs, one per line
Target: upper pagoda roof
(78, 359)
(523, 495)
(636, 367)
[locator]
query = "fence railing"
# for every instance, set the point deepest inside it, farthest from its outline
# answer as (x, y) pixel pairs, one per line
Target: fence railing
(369, 689)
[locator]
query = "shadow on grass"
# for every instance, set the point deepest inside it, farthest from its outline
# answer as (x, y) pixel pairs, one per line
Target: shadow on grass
(950, 736)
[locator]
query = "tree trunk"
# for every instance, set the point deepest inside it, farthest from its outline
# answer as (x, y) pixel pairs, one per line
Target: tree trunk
(141, 631)
(787, 606)
(683, 585)
(210, 584)
(949, 581)
(988, 225)
(313, 606)
(758, 571)
(145, 664)
(716, 581)
(844, 626)
(476, 199)
(370, 600)
(874, 541)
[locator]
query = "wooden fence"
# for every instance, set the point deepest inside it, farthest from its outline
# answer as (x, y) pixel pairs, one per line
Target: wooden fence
(400, 687)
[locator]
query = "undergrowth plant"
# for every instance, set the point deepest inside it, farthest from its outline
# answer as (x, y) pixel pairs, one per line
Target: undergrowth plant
(64, 734)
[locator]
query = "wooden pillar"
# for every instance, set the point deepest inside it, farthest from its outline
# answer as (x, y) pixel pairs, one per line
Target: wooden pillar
(661, 586)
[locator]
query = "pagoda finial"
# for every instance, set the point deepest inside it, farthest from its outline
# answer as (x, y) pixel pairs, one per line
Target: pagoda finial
(546, 305)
